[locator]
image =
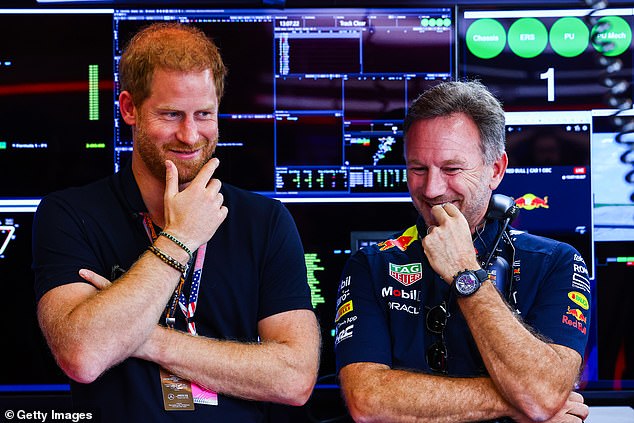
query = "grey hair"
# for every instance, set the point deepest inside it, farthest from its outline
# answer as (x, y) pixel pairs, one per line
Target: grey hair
(471, 98)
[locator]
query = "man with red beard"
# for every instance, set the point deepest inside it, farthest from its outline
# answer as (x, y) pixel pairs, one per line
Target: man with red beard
(163, 294)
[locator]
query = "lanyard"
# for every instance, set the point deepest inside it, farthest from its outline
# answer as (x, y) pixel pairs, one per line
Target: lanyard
(187, 306)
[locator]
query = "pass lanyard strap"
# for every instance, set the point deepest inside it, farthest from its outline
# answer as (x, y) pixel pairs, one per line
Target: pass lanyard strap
(187, 306)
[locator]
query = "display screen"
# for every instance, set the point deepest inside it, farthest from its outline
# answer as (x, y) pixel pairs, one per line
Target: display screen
(611, 175)
(348, 226)
(55, 100)
(609, 368)
(315, 98)
(26, 358)
(549, 176)
(555, 71)
(545, 59)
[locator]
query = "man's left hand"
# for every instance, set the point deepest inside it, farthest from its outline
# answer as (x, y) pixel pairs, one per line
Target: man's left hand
(573, 411)
(96, 280)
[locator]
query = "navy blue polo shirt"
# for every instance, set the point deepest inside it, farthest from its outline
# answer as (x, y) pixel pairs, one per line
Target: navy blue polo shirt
(254, 268)
(387, 289)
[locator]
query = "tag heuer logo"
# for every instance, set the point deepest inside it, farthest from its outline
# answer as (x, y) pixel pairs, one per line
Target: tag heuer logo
(406, 274)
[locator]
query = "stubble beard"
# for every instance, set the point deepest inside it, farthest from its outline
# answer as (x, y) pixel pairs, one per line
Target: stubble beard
(474, 211)
(154, 157)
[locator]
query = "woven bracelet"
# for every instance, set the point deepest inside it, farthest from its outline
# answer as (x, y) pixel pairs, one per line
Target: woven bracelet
(179, 243)
(168, 259)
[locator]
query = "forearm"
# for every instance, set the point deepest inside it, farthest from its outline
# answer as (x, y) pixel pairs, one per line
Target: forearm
(376, 393)
(277, 371)
(89, 331)
(531, 374)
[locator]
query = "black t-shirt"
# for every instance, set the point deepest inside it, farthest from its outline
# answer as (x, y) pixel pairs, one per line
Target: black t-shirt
(254, 268)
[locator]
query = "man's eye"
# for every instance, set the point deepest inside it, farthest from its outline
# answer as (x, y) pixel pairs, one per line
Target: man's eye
(171, 115)
(452, 170)
(205, 115)
(417, 170)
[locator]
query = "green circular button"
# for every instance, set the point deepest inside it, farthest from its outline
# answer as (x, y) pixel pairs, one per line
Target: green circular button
(446, 22)
(486, 38)
(615, 40)
(569, 37)
(528, 37)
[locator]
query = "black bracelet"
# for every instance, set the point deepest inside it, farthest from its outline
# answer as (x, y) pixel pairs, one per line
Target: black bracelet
(168, 259)
(179, 243)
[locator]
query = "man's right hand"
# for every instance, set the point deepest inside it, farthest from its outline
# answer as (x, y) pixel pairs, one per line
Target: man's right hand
(448, 246)
(194, 214)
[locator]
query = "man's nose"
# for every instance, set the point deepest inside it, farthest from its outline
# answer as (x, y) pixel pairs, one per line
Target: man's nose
(188, 131)
(435, 184)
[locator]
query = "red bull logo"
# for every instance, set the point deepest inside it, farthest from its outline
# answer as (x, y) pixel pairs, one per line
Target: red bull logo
(574, 323)
(531, 201)
(402, 242)
(577, 314)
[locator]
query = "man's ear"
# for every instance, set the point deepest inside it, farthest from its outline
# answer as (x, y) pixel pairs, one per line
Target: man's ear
(499, 168)
(127, 108)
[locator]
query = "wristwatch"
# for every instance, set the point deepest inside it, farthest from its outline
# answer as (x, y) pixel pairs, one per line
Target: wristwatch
(467, 282)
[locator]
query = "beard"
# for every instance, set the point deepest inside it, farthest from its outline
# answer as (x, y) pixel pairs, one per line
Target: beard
(154, 156)
(474, 209)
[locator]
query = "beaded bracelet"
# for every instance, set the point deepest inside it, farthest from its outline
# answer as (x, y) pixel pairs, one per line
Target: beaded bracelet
(179, 243)
(168, 259)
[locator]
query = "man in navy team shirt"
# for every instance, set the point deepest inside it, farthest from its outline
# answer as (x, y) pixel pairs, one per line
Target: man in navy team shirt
(198, 308)
(422, 332)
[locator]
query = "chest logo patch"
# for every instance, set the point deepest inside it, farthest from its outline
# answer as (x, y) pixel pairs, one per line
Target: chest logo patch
(406, 274)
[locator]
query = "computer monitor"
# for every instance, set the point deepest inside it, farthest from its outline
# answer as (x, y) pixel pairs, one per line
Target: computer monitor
(556, 70)
(56, 92)
(544, 58)
(315, 98)
(28, 363)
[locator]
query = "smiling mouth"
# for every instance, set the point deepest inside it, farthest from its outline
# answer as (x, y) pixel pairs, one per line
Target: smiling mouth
(185, 156)
(186, 152)
(437, 203)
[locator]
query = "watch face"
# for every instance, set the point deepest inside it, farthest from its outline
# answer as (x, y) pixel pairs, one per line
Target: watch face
(466, 283)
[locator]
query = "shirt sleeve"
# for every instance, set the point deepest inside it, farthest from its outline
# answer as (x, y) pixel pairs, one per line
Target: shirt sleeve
(362, 333)
(60, 246)
(562, 305)
(284, 279)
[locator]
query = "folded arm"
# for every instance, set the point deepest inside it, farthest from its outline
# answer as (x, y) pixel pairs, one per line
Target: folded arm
(281, 368)
(90, 331)
(376, 393)
(532, 374)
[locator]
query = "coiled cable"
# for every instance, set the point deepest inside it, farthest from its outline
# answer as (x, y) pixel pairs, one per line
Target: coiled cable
(618, 95)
